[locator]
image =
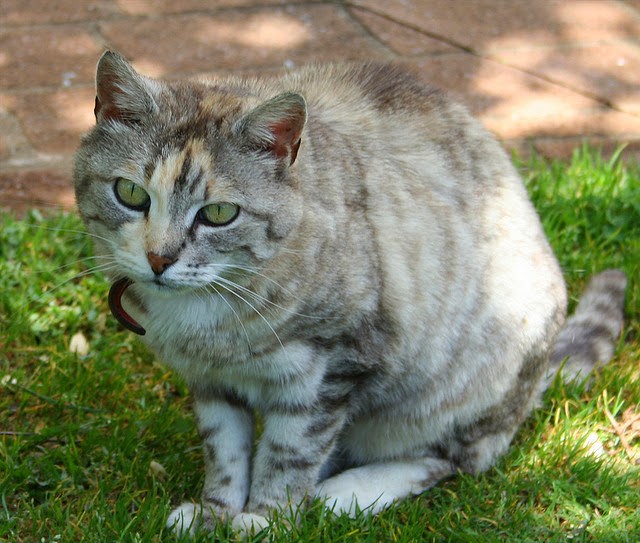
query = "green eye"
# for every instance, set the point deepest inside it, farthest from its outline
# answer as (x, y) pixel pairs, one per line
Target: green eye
(132, 195)
(219, 214)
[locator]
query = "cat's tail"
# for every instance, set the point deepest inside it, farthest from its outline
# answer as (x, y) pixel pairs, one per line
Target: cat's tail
(589, 335)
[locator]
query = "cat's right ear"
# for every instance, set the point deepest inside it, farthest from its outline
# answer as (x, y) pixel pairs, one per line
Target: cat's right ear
(121, 93)
(276, 125)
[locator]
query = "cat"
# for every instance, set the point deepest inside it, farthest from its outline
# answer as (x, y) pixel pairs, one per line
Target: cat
(344, 251)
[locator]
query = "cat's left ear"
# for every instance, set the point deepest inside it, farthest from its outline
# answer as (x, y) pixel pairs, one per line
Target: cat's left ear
(276, 126)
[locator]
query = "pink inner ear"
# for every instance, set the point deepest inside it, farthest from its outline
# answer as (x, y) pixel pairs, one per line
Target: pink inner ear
(286, 135)
(105, 104)
(283, 135)
(107, 111)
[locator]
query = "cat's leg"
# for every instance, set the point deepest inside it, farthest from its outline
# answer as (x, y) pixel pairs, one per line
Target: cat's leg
(374, 487)
(294, 445)
(227, 435)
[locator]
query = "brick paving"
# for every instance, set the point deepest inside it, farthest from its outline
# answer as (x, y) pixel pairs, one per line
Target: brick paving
(543, 74)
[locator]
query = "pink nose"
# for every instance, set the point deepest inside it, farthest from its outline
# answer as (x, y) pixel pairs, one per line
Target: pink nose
(159, 263)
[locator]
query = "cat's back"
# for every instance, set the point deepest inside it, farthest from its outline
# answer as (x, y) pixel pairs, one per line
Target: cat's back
(385, 119)
(454, 228)
(358, 87)
(360, 98)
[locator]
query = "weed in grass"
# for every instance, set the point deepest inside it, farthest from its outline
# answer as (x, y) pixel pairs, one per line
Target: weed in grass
(82, 437)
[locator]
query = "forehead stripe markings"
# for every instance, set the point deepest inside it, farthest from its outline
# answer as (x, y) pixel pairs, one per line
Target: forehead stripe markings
(182, 171)
(197, 179)
(181, 181)
(200, 162)
(196, 163)
(167, 171)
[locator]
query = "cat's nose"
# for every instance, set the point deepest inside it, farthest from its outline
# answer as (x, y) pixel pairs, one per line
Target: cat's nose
(159, 263)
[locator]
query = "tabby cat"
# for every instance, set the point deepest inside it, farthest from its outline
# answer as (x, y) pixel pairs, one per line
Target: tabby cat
(345, 252)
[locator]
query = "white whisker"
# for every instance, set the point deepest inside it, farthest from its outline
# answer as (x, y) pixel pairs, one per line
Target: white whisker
(69, 231)
(254, 271)
(264, 300)
(230, 306)
(231, 291)
(75, 263)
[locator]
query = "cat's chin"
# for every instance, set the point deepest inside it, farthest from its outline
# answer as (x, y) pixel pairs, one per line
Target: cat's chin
(162, 289)
(155, 289)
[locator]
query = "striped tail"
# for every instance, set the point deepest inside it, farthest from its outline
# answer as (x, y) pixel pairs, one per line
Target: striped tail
(588, 337)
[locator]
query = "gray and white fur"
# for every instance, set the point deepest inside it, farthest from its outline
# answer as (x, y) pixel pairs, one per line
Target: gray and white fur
(384, 297)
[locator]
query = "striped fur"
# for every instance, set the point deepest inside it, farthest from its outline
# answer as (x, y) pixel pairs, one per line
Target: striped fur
(385, 298)
(587, 335)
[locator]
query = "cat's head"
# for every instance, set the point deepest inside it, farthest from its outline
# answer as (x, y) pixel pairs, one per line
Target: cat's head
(183, 182)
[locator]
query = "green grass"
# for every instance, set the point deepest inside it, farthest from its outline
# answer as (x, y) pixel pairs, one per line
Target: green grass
(79, 434)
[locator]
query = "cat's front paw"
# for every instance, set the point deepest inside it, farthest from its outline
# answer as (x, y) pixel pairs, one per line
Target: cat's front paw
(183, 519)
(189, 518)
(246, 524)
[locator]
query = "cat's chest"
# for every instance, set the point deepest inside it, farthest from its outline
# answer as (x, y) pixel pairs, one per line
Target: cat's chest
(193, 332)
(213, 344)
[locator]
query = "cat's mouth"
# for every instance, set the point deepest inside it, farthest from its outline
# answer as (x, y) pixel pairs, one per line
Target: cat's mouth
(115, 304)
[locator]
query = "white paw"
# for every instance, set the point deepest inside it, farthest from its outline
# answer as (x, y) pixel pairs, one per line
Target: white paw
(339, 505)
(246, 524)
(183, 520)
(344, 496)
(375, 487)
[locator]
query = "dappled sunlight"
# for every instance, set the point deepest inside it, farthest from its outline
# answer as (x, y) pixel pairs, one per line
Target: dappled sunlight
(77, 45)
(520, 96)
(268, 30)
(629, 102)
(273, 31)
(76, 115)
(539, 89)
(603, 71)
(582, 18)
(150, 68)
(580, 21)
(136, 7)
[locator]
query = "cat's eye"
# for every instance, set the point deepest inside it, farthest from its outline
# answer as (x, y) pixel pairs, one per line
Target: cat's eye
(132, 195)
(218, 214)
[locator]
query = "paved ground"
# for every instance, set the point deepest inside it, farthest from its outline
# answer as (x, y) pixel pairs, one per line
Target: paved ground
(543, 73)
